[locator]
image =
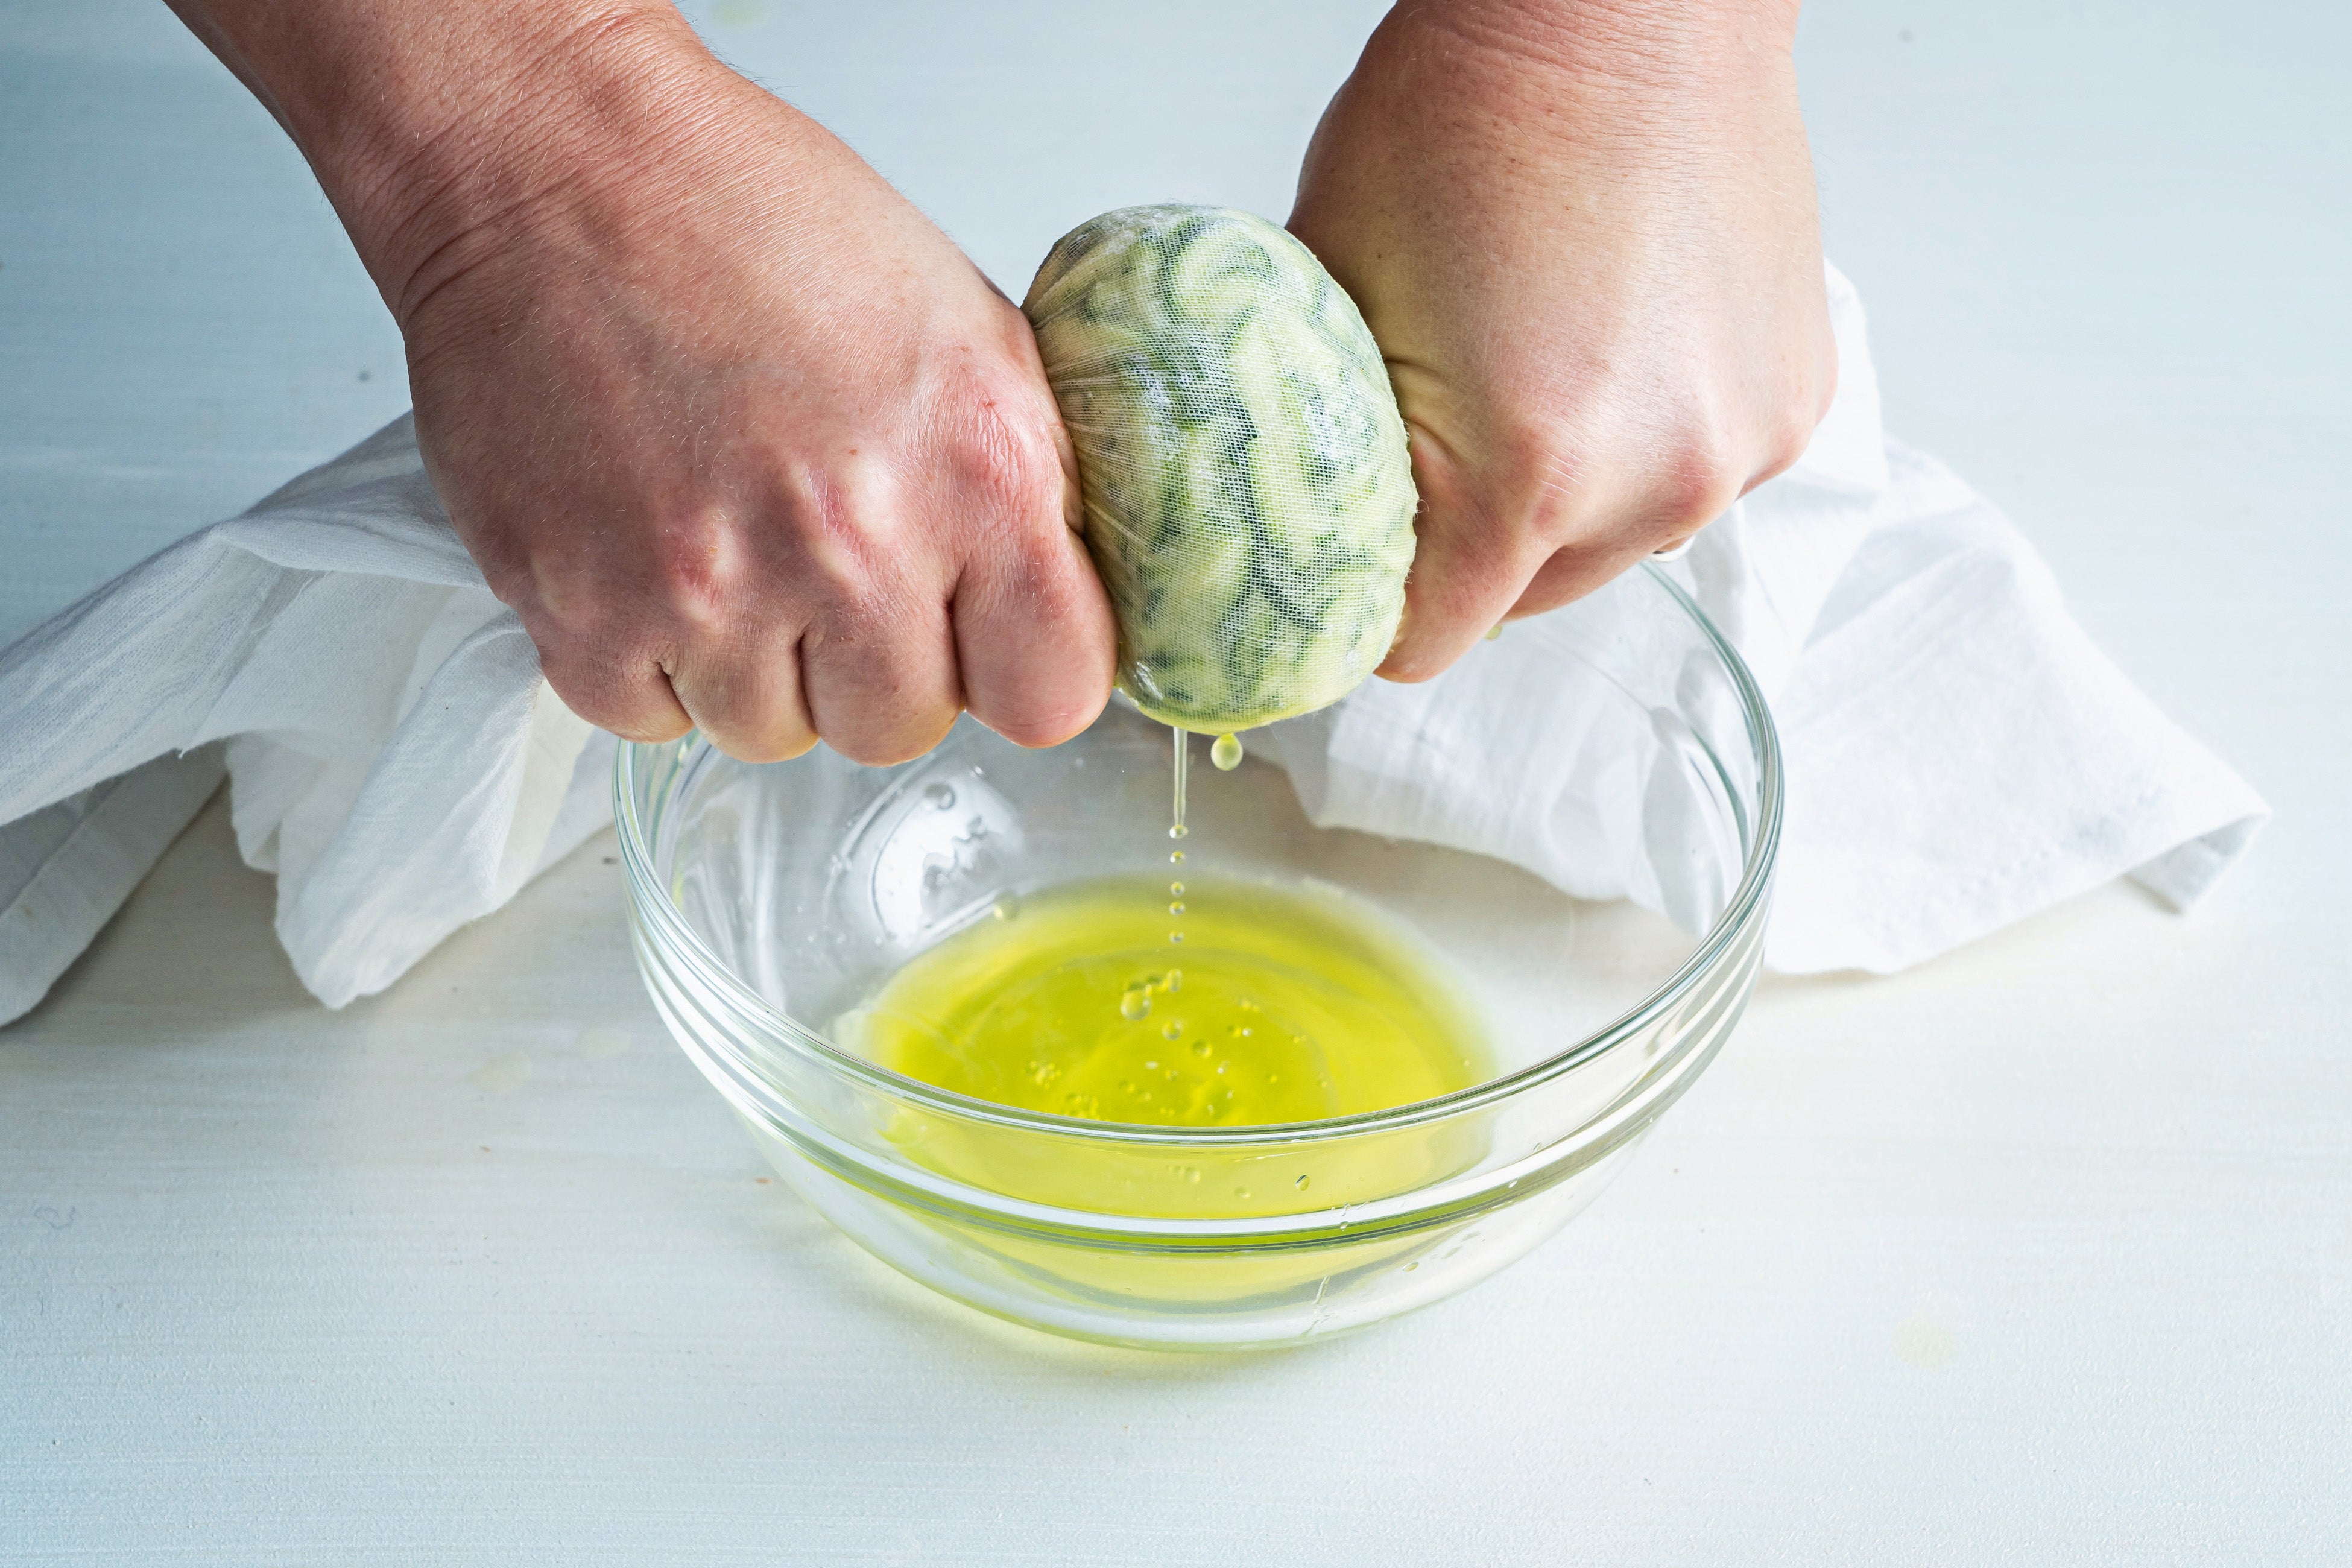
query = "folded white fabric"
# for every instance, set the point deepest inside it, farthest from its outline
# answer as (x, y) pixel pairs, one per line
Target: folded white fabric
(1958, 753)
(393, 754)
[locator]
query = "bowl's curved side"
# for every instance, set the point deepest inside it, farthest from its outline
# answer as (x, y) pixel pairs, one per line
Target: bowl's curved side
(928, 1180)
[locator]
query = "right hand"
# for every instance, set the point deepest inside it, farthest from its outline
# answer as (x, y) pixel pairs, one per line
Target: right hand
(744, 439)
(1585, 238)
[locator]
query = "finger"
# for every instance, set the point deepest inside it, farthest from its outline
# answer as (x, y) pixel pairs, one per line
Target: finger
(1035, 640)
(881, 680)
(1628, 531)
(745, 693)
(1570, 574)
(625, 693)
(1468, 566)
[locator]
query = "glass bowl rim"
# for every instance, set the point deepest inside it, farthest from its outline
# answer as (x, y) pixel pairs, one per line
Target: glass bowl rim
(1745, 904)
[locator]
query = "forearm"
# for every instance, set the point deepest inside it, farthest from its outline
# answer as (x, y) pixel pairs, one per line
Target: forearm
(1642, 46)
(1484, 123)
(426, 120)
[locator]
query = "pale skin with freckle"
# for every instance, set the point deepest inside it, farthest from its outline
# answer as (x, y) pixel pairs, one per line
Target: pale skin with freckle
(749, 443)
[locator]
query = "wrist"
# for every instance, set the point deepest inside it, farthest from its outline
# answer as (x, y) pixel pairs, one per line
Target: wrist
(428, 123)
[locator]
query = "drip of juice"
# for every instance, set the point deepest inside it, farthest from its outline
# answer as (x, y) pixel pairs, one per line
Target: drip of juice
(1280, 1005)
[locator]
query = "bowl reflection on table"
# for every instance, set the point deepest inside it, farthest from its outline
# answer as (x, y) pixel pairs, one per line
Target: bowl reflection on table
(769, 901)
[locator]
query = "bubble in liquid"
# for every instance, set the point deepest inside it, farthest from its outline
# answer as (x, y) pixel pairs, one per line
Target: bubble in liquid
(941, 796)
(1300, 1183)
(1172, 1030)
(1200, 1048)
(1173, 981)
(1175, 936)
(1135, 1004)
(1226, 754)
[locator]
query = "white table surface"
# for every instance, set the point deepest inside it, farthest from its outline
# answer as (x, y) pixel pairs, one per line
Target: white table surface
(2041, 1253)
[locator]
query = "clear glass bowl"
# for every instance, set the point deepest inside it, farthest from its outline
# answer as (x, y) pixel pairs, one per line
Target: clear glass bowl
(766, 901)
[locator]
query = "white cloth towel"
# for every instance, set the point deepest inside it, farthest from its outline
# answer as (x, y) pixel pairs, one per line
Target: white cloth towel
(393, 754)
(1958, 753)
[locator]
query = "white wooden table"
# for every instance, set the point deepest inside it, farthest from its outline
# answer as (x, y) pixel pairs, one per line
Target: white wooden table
(2041, 1253)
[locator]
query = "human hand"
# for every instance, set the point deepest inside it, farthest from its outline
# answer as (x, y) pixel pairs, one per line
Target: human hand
(744, 439)
(1585, 237)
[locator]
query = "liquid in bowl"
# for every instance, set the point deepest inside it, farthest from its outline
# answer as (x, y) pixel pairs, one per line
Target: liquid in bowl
(767, 903)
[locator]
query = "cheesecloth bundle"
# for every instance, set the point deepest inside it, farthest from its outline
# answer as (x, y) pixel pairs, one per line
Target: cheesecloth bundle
(1248, 496)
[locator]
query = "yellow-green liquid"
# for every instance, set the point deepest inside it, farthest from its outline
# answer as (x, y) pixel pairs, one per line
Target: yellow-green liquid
(1273, 1005)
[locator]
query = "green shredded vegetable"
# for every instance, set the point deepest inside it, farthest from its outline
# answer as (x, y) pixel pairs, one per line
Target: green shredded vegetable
(1248, 495)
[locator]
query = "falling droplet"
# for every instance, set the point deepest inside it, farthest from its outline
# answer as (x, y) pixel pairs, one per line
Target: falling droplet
(1177, 908)
(1226, 754)
(941, 796)
(1175, 889)
(1004, 909)
(1183, 750)
(1175, 856)
(1175, 936)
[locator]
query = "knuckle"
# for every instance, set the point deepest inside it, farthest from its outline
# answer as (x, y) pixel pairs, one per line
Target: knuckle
(1696, 486)
(697, 569)
(1544, 468)
(1000, 451)
(1789, 426)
